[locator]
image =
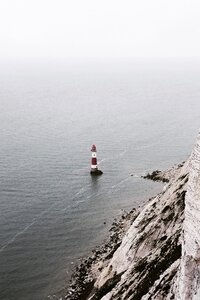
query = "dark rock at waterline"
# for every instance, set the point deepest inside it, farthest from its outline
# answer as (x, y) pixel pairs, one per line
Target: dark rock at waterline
(96, 172)
(156, 176)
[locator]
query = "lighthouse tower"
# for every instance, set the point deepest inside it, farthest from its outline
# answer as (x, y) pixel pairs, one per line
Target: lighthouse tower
(94, 169)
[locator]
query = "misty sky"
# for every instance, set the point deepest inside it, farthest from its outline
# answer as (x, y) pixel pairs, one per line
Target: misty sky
(68, 29)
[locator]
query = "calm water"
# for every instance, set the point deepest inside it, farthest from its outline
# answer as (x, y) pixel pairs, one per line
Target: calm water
(141, 116)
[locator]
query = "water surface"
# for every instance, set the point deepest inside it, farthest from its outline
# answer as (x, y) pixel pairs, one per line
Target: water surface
(142, 116)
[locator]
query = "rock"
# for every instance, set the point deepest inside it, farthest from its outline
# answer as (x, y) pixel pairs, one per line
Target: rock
(96, 172)
(156, 176)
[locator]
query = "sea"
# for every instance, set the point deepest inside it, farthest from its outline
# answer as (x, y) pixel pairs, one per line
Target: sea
(142, 115)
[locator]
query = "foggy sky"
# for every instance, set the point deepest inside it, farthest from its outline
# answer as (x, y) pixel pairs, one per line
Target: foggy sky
(68, 29)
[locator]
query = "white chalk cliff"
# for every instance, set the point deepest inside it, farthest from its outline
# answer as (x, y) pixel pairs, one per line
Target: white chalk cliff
(145, 264)
(188, 278)
(158, 257)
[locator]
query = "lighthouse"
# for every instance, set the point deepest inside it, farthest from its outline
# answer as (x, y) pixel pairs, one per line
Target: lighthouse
(94, 169)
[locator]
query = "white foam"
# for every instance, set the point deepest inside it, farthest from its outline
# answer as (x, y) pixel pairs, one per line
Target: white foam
(121, 182)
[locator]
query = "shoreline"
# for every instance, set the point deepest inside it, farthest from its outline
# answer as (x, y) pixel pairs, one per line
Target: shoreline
(81, 284)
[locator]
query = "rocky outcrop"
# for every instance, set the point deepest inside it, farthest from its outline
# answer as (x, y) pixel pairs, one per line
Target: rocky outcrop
(155, 250)
(96, 172)
(163, 176)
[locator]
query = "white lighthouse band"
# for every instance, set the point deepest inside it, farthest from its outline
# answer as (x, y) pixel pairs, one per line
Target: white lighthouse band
(93, 166)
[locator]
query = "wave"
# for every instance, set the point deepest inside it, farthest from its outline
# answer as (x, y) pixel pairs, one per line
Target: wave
(121, 182)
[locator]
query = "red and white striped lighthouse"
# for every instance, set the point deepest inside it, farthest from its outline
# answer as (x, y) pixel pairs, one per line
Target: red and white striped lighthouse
(94, 158)
(94, 169)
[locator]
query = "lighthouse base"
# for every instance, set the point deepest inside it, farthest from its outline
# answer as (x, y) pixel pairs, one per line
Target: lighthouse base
(96, 172)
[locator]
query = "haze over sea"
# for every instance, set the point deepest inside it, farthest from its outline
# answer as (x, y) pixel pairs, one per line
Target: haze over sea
(142, 116)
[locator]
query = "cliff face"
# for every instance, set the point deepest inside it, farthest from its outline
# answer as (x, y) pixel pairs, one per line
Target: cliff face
(157, 256)
(146, 263)
(188, 279)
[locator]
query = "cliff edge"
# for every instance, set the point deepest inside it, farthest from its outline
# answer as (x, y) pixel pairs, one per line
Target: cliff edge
(155, 252)
(188, 278)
